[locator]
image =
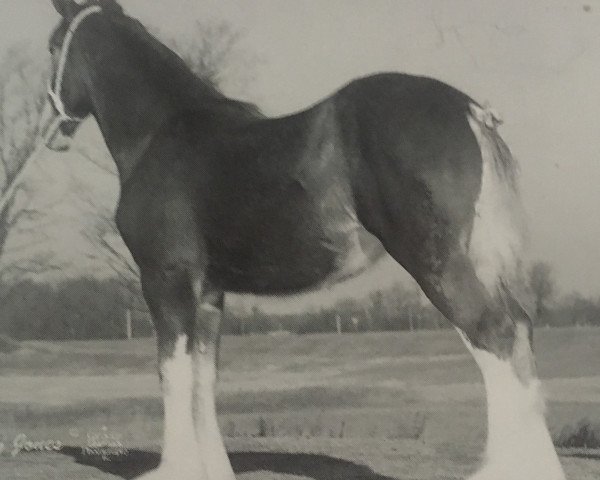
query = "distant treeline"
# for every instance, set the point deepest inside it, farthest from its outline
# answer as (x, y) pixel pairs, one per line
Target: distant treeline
(77, 309)
(572, 310)
(395, 308)
(87, 308)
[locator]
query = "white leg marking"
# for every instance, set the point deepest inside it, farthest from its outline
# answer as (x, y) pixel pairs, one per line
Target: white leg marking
(211, 447)
(519, 446)
(180, 444)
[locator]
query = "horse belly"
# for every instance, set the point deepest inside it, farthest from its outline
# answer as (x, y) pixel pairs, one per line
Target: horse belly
(301, 243)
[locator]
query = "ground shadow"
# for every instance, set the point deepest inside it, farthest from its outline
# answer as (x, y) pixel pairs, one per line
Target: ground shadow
(318, 467)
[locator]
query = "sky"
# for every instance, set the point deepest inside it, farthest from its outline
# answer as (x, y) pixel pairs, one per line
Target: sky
(536, 62)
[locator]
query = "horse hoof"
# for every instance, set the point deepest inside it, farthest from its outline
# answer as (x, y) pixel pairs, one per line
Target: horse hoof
(168, 472)
(532, 471)
(185, 472)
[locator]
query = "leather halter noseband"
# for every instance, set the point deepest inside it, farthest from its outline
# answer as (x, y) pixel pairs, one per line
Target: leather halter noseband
(55, 90)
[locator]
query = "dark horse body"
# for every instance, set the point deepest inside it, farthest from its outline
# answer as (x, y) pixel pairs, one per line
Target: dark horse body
(304, 182)
(215, 197)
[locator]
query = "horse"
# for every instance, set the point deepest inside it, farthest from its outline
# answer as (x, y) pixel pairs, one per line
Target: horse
(216, 197)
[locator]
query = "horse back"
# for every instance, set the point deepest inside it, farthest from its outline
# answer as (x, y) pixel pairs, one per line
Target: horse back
(280, 204)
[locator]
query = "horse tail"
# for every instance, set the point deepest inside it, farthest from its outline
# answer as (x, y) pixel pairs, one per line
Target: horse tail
(498, 236)
(487, 121)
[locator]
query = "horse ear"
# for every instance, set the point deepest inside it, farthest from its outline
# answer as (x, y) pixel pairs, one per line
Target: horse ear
(60, 7)
(69, 8)
(111, 6)
(65, 8)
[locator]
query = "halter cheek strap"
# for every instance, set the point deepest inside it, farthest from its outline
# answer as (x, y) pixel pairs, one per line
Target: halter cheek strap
(55, 91)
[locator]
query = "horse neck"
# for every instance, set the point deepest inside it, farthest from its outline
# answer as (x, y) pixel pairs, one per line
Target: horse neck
(129, 105)
(128, 114)
(126, 131)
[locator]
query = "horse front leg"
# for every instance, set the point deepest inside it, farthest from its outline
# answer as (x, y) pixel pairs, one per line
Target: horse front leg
(172, 308)
(205, 351)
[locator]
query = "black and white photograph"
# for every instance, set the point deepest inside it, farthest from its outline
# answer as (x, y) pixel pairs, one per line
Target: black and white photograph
(299, 240)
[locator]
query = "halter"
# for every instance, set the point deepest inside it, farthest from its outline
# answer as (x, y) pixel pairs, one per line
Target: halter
(54, 91)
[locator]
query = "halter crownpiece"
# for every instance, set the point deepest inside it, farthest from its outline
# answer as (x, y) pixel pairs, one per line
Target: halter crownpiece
(54, 91)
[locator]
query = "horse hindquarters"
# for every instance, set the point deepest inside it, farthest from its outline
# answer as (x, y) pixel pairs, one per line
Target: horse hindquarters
(462, 243)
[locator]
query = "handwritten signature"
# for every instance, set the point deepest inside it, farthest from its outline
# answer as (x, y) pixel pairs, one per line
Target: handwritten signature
(103, 444)
(22, 443)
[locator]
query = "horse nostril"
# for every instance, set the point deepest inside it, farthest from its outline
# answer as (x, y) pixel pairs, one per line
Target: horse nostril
(68, 128)
(59, 142)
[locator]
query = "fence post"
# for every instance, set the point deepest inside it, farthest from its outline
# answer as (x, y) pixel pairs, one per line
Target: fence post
(128, 325)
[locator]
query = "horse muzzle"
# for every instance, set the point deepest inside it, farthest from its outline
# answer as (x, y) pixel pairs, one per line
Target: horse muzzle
(61, 138)
(56, 130)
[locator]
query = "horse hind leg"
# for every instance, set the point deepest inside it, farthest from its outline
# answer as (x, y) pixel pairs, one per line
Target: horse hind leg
(480, 285)
(472, 276)
(499, 332)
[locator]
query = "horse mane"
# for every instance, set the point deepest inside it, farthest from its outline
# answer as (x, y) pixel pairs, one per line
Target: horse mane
(182, 81)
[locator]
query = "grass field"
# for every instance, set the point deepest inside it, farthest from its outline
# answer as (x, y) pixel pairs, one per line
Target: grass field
(372, 406)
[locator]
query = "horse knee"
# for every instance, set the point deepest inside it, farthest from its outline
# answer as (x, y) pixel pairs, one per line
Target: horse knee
(491, 319)
(169, 294)
(491, 330)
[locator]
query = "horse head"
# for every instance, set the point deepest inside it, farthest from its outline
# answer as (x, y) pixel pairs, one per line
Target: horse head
(67, 90)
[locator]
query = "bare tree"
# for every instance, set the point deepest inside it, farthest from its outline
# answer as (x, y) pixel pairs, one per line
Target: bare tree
(103, 234)
(22, 98)
(214, 53)
(542, 285)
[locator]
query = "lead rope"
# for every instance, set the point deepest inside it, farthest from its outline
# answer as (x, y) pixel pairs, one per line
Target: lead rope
(55, 99)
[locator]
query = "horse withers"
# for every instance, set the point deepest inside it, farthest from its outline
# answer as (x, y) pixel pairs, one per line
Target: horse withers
(215, 197)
